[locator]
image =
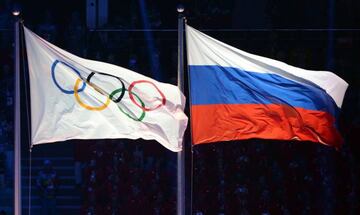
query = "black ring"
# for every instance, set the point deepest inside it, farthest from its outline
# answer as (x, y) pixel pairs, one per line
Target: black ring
(122, 84)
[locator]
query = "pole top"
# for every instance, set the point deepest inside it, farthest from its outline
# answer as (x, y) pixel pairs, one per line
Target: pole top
(180, 8)
(16, 13)
(16, 10)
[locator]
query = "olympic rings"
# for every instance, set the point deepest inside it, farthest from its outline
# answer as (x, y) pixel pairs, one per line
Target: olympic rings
(77, 97)
(127, 114)
(163, 100)
(53, 66)
(135, 98)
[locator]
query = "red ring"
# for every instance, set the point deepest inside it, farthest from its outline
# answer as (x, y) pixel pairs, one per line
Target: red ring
(140, 106)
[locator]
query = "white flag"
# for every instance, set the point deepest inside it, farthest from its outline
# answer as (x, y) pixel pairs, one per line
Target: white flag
(76, 98)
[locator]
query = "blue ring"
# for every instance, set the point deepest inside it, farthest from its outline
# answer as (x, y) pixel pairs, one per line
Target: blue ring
(57, 84)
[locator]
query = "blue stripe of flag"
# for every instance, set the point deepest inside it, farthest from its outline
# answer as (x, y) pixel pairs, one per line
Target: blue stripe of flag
(229, 85)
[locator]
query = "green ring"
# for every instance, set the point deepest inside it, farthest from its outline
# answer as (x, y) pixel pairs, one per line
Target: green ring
(127, 114)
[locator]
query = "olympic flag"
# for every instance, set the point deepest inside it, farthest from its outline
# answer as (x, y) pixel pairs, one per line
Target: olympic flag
(236, 95)
(76, 98)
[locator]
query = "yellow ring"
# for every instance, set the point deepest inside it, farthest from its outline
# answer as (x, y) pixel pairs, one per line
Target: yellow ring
(77, 97)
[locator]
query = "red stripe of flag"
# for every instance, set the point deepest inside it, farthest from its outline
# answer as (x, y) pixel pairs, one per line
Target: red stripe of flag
(224, 122)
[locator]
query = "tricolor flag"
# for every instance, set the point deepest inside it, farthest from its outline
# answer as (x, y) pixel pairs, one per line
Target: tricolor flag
(76, 98)
(236, 95)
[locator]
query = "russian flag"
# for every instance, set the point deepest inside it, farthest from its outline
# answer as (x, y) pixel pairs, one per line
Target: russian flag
(236, 95)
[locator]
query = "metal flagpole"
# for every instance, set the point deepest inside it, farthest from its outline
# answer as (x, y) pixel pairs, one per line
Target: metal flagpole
(17, 132)
(181, 154)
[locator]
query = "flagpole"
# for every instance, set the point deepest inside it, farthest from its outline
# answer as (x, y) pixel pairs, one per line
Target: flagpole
(17, 131)
(180, 83)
